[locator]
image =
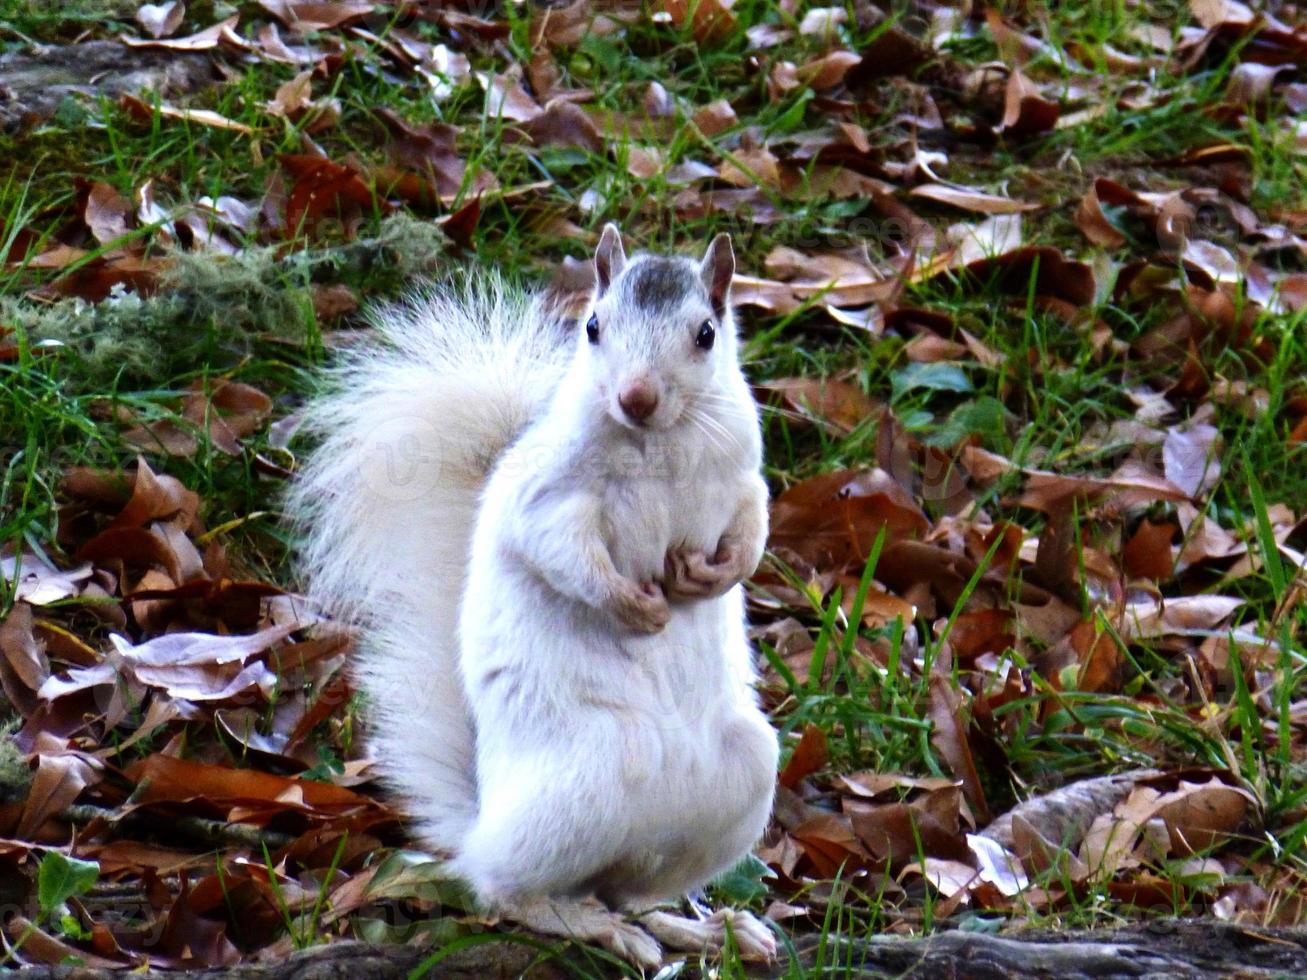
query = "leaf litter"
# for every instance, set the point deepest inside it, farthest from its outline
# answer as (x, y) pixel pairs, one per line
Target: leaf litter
(158, 686)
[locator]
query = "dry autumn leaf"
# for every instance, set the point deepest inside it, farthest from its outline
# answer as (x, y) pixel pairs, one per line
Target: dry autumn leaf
(161, 19)
(831, 521)
(145, 111)
(839, 404)
(108, 214)
(507, 99)
(223, 32)
(322, 189)
(225, 413)
(1025, 110)
(563, 123)
(1148, 552)
(1039, 854)
(163, 779)
(809, 756)
(709, 21)
(895, 833)
(949, 737)
(1094, 222)
(1152, 822)
(829, 70)
(36, 581)
(47, 949)
(1200, 815)
(969, 199)
(303, 16)
(59, 781)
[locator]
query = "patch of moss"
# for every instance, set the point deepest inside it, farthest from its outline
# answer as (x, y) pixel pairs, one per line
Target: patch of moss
(41, 20)
(15, 773)
(210, 309)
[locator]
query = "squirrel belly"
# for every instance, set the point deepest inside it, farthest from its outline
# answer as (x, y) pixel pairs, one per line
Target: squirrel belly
(627, 782)
(541, 532)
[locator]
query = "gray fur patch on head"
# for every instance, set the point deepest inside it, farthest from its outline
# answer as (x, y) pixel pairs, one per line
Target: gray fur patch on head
(657, 284)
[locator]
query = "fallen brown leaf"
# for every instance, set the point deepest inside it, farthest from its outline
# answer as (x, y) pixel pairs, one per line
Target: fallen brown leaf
(828, 70)
(708, 20)
(507, 99)
(161, 778)
(563, 123)
(841, 405)
(1094, 223)
(59, 780)
(222, 32)
(38, 946)
(226, 412)
(809, 756)
(949, 737)
(831, 521)
(1199, 816)
(322, 188)
(896, 833)
(316, 15)
(969, 199)
(108, 214)
(1025, 110)
(1148, 552)
(715, 117)
(144, 111)
(161, 19)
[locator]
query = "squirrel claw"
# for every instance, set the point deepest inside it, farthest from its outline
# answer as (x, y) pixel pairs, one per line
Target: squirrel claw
(692, 574)
(642, 607)
(588, 920)
(632, 944)
(753, 940)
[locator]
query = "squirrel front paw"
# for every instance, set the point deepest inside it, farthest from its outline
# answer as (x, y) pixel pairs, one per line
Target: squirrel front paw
(642, 607)
(691, 574)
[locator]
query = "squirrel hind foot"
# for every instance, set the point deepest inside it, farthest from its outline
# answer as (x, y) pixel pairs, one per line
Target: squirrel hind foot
(589, 921)
(752, 938)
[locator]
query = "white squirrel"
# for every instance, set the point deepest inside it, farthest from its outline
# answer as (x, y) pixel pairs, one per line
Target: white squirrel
(543, 530)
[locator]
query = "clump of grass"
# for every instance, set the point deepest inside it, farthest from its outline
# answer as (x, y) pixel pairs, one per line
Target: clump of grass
(40, 20)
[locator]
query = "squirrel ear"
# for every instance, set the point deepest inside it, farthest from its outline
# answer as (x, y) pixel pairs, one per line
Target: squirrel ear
(609, 258)
(717, 270)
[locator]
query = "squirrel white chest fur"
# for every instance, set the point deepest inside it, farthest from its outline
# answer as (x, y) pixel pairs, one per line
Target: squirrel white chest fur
(646, 482)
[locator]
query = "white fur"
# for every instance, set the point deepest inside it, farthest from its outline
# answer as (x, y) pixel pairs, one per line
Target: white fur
(385, 509)
(551, 748)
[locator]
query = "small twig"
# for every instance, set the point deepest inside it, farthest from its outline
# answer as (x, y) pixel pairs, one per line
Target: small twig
(191, 828)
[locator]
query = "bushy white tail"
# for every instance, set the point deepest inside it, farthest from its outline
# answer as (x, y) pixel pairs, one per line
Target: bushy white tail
(385, 508)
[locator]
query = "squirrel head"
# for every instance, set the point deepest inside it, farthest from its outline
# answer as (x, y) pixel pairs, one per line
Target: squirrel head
(659, 338)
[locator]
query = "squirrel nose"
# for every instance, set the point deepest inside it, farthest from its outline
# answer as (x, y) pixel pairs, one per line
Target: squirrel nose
(638, 400)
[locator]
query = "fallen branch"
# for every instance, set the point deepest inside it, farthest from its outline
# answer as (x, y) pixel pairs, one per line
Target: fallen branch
(1164, 948)
(346, 961)
(189, 828)
(33, 83)
(1193, 949)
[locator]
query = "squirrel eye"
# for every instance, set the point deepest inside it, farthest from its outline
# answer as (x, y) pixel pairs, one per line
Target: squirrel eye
(706, 335)
(592, 329)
